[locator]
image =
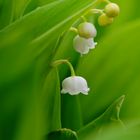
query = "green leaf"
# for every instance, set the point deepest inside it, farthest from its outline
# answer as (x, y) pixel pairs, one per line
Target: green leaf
(22, 42)
(19, 8)
(132, 132)
(37, 3)
(11, 11)
(41, 113)
(112, 70)
(100, 125)
(52, 102)
(25, 57)
(6, 12)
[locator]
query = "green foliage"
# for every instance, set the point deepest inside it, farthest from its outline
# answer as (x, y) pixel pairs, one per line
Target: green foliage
(99, 126)
(33, 33)
(114, 70)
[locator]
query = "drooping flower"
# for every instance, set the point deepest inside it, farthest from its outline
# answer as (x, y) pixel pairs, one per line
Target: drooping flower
(75, 85)
(87, 30)
(83, 45)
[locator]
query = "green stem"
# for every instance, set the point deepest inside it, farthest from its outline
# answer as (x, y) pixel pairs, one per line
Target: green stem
(73, 29)
(96, 3)
(62, 61)
(96, 11)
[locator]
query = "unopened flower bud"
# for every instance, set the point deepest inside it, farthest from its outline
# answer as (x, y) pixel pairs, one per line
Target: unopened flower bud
(104, 20)
(112, 10)
(87, 30)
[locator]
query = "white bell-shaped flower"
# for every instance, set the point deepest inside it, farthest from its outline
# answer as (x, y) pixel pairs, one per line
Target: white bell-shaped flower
(75, 85)
(83, 45)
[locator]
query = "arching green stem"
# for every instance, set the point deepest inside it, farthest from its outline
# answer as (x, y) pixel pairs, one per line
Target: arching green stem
(73, 29)
(96, 11)
(62, 61)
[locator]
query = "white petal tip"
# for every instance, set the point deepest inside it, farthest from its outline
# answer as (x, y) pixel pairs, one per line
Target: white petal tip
(96, 43)
(93, 47)
(73, 94)
(63, 91)
(85, 93)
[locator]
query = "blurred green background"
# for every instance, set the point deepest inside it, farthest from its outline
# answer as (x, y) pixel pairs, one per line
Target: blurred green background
(33, 34)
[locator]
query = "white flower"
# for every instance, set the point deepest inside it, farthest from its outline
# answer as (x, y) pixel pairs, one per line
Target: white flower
(75, 85)
(87, 30)
(83, 45)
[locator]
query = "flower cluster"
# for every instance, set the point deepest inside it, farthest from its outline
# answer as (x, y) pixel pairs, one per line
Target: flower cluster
(107, 16)
(83, 42)
(86, 32)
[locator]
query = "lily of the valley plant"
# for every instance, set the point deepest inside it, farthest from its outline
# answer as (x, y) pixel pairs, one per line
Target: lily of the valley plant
(82, 43)
(56, 83)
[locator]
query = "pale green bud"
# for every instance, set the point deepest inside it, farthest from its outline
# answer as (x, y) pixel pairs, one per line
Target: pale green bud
(104, 20)
(112, 10)
(87, 30)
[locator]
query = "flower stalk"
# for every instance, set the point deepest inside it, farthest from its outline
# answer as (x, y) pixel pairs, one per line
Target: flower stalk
(73, 84)
(73, 29)
(96, 11)
(64, 61)
(83, 42)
